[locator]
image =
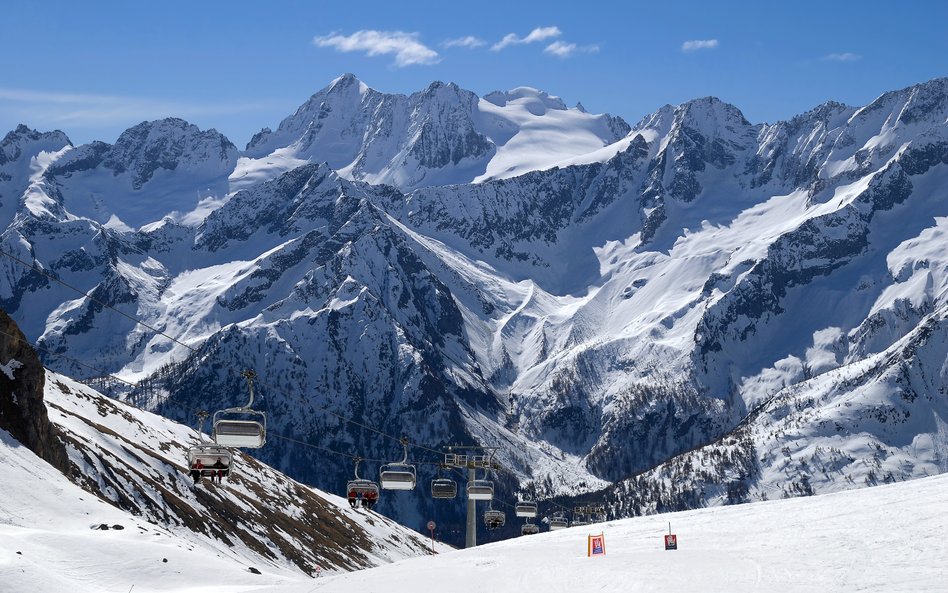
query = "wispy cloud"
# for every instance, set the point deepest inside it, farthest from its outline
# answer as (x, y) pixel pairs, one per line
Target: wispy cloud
(538, 34)
(562, 49)
(469, 42)
(83, 110)
(404, 46)
(697, 44)
(841, 57)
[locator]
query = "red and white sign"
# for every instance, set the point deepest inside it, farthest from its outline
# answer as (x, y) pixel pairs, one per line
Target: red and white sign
(596, 545)
(431, 525)
(671, 542)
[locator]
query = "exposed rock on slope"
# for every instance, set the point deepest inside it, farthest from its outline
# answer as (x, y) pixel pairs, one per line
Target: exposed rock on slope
(22, 410)
(136, 461)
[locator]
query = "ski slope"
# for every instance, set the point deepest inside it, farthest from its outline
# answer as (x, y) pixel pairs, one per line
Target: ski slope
(56, 537)
(888, 538)
(51, 541)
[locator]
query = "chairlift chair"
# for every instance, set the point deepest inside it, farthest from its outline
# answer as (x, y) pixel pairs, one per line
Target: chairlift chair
(494, 519)
(232, 428)
(210, 456)
(597, 514)
(581, 516)
(361, 492)
(480, 490)
(444, 488)
(558, 521)
(526, 508)
(207, 458)
(398, 476)
(529, 529)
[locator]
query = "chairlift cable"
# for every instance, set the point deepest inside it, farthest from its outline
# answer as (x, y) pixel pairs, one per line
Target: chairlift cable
(194, 350)
(185, 407)
(102, 374)
(182, 405)
(36, 268)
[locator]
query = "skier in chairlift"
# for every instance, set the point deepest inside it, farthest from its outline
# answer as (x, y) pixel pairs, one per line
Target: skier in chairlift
(369, 499)
(196, 471)
(220, 467)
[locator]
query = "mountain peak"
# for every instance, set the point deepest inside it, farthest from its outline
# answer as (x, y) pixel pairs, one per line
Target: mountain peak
(446, 90)
(166, 144)
(534, 100)
(17, 140)
(437, 84)
(345, 82)
(923, 101)
(711, 109)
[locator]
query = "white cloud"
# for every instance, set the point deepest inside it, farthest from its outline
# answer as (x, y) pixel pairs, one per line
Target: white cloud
(538, 34)
(561, 49)
(404, 46)
(80, 109)
(697, 44)
(843, 57)
(469, 42)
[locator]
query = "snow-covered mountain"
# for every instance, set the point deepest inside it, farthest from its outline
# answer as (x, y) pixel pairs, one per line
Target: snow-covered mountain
(672, 290)
(155, 169)
(95, 480)
(441, 135)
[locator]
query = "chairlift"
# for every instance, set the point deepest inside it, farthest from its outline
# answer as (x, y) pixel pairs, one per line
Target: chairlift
(398, 476)
(232, 428)
(558, 521)
(209, 460)
(526, 508)
(361, 492)
(597, 513)
(581, 516)
(529, 529)
(443, 488)
(480, 489)
(494, 519)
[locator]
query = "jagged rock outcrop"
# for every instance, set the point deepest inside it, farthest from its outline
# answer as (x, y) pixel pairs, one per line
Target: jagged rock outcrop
(22, 411)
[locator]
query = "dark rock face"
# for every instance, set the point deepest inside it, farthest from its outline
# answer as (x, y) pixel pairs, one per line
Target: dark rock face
(12, 145)
(164, 144)
(22, 411)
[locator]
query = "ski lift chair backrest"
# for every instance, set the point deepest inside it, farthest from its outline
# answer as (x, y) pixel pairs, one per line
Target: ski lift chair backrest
(240, 432)
(396, 476)
(444, 488)
(480, 490)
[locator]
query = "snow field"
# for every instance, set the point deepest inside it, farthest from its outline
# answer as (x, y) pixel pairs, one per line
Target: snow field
(49, 541)
(887, 538)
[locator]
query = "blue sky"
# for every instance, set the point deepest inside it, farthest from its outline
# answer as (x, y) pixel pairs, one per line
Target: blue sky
(94, 68)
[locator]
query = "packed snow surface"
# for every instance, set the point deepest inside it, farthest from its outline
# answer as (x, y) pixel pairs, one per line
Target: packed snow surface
(56, 537)
(888, 538)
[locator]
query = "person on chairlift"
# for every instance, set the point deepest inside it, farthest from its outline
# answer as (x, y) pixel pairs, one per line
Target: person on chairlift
(220, 467)
(370, 499)
(196, 470)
